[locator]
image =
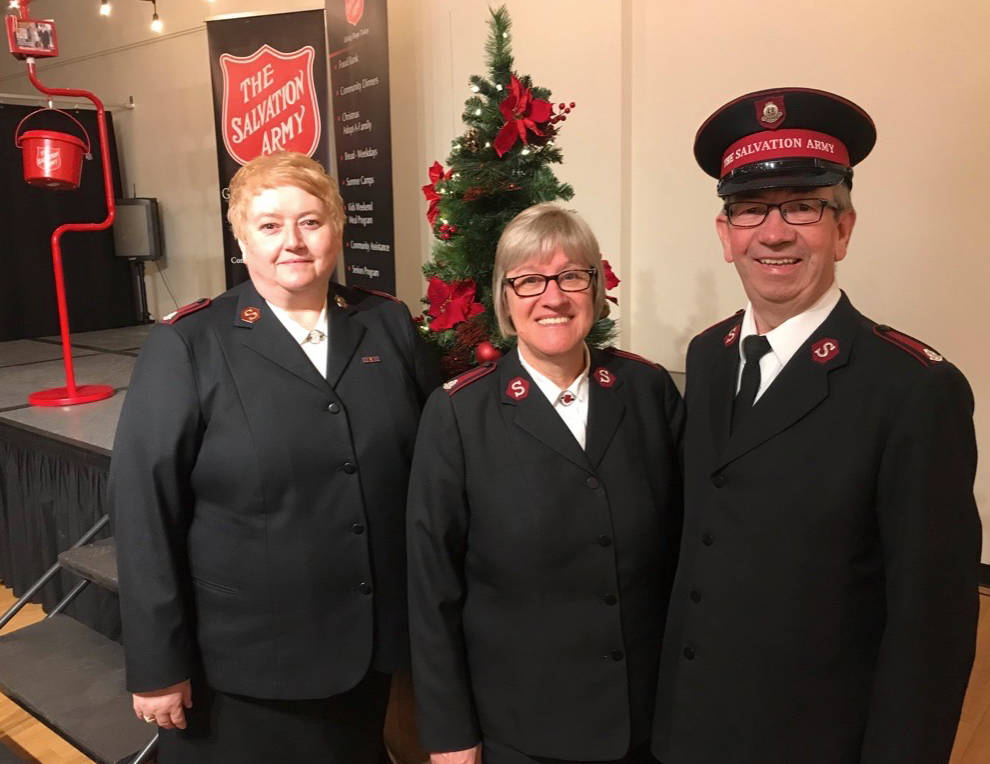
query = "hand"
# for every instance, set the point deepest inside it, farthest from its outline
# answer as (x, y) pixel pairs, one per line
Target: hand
(165, 706)
(467, 756)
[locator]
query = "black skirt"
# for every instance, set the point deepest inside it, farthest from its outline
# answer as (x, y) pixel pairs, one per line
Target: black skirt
(222, 728)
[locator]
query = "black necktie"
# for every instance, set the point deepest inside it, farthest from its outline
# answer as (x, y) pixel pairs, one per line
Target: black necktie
(755, 346)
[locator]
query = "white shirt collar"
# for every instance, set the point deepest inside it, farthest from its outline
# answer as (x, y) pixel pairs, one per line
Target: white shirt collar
(578, 387)
(300, 333)
(789, 336)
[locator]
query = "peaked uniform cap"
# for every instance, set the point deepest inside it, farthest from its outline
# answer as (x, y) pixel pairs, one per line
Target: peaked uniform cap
(784, 138)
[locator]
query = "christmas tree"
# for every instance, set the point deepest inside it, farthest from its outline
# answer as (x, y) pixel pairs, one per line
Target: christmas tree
(497, 168)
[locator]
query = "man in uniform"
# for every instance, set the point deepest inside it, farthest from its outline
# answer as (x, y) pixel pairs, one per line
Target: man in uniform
(825, 605)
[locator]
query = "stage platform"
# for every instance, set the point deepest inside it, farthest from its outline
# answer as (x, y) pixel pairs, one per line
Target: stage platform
(54, 461)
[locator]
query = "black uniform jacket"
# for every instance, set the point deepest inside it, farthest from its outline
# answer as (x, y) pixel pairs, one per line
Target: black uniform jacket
(825, 605)
(258, 508)
(539, 572)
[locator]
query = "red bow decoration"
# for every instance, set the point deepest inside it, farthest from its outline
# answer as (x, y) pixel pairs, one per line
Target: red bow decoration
(430, 190)
(522, 112)
(611, 280)
(450, 304)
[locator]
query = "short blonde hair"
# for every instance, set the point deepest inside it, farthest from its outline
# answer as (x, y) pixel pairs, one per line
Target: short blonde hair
(537, 233)
(282, 168)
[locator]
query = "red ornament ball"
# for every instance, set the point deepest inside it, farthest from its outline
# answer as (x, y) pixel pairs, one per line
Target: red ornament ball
(486, 351)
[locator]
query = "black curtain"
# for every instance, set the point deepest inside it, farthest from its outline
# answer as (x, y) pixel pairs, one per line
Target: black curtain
(99, 287)
(51, 493)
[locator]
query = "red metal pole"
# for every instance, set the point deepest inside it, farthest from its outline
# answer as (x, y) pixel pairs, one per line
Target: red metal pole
(71, 394)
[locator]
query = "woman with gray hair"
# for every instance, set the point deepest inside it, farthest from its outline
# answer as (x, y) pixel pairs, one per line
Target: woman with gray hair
(543, 523)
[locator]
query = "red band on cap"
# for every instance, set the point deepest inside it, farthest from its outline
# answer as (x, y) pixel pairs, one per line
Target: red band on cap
(783, 144)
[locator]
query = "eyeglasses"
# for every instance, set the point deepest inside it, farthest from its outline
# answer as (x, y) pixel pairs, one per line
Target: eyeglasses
(793, 211)
(532, 284)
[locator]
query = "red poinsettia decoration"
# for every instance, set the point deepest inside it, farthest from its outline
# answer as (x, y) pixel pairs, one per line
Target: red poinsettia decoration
(450, 304)
(611, 280)
(522, 112)
(430, 190)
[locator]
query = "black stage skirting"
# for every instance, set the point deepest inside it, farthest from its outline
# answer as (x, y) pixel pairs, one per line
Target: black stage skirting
(54, 462)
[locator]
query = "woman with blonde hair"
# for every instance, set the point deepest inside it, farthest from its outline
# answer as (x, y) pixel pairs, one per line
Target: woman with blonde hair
(258, 485)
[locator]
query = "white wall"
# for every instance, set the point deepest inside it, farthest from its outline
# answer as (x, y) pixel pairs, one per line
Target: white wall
(644, 74)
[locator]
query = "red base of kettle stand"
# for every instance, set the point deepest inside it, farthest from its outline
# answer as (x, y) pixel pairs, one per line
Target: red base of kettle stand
(60, 396)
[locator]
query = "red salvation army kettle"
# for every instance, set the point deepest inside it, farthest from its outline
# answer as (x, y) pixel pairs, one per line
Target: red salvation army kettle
(52, 160)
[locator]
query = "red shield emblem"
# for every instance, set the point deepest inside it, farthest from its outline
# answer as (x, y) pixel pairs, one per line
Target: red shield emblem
(269, 103)
(771, 112)
(47, 160)
(354, 10)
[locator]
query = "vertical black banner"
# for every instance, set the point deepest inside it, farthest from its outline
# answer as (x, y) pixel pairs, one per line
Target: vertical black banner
(269, 94)
(357, 34)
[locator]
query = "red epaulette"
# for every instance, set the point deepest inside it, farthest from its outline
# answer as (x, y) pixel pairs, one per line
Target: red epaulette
(719, 323)
(916, 348)
(471, 375)
(632, 357)
(185, 310)
(386, 295)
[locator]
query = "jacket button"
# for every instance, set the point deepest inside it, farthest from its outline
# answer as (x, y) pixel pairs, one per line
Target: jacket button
(591, 482)
(604, 540)
(617, 655)
(707, 539)
(695, 596)
(364, 587)
(718, 481)
(349, 467)
(357, 529)
(334, 408)
(610, 599)
(689, 653)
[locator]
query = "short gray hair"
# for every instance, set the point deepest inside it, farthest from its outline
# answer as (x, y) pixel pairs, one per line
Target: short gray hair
(537, 233)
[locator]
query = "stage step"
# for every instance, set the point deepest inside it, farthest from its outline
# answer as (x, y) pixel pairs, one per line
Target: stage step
(96, 562)
(72, 679)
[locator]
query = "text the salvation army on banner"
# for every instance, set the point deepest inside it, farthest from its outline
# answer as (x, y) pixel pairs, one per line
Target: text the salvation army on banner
(357, 35)
(269, 94)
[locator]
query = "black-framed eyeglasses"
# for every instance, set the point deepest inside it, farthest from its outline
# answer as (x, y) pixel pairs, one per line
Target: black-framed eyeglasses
(793, 211)
(533, 284)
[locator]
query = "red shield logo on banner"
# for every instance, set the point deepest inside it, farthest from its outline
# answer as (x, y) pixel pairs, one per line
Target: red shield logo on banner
(48, 160)
(353, 10)
(269, 103)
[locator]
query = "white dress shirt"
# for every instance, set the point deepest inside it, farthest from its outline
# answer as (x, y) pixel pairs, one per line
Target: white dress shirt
(570, 402)
(314, 342)
(786, 338)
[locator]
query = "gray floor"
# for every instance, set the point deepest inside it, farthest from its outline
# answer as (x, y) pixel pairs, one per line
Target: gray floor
(105, 357)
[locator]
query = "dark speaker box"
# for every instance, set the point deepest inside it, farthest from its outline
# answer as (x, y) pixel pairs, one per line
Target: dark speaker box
(137, 229)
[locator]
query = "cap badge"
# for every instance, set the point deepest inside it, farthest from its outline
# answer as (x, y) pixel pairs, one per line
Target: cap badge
(518, 389)
(731, 336)
(604, 377)
(824, 350)
(932, 355)
(771, 112)
(250, 315)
